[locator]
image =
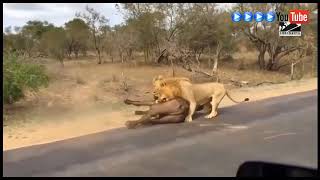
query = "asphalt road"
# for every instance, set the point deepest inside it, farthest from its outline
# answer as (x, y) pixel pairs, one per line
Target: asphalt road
(281, 129)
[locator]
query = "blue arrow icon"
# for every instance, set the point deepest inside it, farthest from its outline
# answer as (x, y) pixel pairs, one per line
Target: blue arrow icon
(270, 16)
(258, 16)
(236, 17)
(247, 16)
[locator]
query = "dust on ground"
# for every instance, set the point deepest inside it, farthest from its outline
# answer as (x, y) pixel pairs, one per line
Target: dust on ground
(85, 98)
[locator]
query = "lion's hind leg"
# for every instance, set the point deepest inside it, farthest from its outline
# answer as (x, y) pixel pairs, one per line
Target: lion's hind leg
(215, 101)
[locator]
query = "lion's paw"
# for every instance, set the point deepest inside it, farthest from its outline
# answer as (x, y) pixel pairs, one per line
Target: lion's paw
(188, 119)
(209, 116)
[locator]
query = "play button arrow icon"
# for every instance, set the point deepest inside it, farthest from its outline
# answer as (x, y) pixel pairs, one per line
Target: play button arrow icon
(258, 16)
(247, 16)
(236, 17)
(270, 16)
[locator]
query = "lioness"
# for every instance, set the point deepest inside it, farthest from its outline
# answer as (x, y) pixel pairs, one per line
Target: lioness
(196, 94)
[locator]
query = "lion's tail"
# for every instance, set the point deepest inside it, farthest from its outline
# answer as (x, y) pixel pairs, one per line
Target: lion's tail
(246, 99)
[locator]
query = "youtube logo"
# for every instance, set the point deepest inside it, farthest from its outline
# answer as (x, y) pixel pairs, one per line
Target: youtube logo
(294, 16)
(299, 16)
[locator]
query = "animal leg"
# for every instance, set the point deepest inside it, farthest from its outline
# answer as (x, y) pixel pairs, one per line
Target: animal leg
(192, 108)
(138, 103)
(144, 119)
(141, 112)
(168, 119)
(207, 107)
(214, 105)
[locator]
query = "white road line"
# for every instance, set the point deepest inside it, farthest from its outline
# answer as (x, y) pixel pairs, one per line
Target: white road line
(284, 134)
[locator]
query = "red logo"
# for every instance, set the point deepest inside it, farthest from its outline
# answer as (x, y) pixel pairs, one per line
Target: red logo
(298, 16)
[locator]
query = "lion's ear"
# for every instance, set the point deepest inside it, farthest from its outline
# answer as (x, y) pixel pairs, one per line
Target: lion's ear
(157, 78)
(154, 80)
(162, 84)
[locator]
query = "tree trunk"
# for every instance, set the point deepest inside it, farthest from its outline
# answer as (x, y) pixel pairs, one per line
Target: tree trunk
(61, 62)
(262, 52)
(261, 60)
(76, 52)
(302, 70)
(69, 51)
(216, 59)
(270, 64)
(96, 45)
(29, 54)
(215, 65)
(272, 59)
(99, 56)
(292, 71)
(209, 60)
(84, 53)
(172, 67)
(121, 56)
(198, 58)
(129, 54)
(145, 55)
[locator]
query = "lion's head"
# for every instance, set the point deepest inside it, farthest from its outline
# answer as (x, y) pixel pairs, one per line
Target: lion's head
(166, 89)
(158, 82)
(164, 94)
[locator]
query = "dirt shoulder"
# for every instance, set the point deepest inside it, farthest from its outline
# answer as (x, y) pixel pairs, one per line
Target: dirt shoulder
(83, 121)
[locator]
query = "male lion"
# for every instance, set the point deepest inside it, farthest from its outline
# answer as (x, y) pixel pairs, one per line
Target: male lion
(196, 94)
(158, 83)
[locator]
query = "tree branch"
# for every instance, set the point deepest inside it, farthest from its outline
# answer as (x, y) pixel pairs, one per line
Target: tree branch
(269, 83)
(172, 32)
(161, 55)
(285, 52)
(197, 71)
(296, 62)
(283, 66)
(253, 38)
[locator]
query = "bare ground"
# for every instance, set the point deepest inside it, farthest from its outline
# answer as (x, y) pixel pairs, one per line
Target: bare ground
(85, 98)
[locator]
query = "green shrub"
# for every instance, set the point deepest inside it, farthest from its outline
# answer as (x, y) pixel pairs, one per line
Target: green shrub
(19, 76)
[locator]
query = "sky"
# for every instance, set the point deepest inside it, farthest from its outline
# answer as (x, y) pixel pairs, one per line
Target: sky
(17, 14)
